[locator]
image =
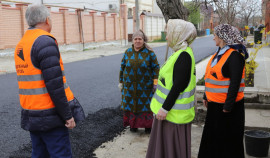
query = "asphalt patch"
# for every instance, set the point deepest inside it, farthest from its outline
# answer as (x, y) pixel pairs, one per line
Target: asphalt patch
(99, 127)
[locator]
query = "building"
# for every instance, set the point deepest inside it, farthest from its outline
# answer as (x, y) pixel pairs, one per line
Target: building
(110, 6)
(144, 6)
(209, 19)
(266, 14)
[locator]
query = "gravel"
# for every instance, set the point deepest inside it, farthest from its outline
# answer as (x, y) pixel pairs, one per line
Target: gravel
(99, 127)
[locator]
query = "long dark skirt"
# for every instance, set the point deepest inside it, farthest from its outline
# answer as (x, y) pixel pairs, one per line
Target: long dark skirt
(168, 140)
(223, 132)
(138, 120)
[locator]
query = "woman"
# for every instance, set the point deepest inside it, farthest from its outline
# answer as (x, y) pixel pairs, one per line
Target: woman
(224, 97)
(138, 77)
(173, 101)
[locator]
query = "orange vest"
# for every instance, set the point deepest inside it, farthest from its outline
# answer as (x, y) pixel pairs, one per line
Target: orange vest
(216, 88)
(32, 89)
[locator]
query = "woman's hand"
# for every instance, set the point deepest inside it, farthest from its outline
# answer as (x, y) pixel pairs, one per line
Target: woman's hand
(225, 111)
(161, 115)
(205, 103)
(120, 86)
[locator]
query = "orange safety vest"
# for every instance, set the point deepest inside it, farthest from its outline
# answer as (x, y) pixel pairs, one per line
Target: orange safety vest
(32, 89)
(216, 88)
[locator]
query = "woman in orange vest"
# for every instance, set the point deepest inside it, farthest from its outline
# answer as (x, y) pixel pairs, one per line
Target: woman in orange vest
(224, 96)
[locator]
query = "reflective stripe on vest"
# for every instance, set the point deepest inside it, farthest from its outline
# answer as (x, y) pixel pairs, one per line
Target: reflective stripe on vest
(32, 77)
(221, 83)
(181, 96)
(222, 90)
(37, 91)
(176, 106)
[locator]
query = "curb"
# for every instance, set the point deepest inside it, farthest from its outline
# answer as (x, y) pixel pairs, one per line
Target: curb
(257, 106)
(267, 129)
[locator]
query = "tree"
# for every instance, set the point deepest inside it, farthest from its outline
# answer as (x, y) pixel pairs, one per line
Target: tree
(173, 9)
(194, 16)
(227, 10)
(248, 9)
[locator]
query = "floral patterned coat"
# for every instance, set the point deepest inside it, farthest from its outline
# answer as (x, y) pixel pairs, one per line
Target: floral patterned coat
(137, 72)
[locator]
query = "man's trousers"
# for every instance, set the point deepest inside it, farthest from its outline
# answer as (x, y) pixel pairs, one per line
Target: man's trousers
(51, 144)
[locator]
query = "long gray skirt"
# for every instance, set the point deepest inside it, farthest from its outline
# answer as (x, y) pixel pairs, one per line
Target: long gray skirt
(169, 140)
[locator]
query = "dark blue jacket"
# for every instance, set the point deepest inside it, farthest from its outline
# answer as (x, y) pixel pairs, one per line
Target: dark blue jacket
(45, 56)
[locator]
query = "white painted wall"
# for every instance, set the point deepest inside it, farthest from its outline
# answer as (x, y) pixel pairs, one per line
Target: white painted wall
(99, 5)
(146, 5)
(154, 25)
(156, 8)
(130, 26)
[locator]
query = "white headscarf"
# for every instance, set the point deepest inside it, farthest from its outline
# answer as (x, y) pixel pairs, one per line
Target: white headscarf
(180, 34)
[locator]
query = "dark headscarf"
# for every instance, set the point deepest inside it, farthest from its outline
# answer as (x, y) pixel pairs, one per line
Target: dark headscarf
(232, 37)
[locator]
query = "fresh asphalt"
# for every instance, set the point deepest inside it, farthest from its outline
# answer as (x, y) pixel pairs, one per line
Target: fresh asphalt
(94, 83)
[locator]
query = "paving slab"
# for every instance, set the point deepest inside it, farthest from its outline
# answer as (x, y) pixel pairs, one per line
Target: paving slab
(262, 73)
(134, 145)
(259, 118)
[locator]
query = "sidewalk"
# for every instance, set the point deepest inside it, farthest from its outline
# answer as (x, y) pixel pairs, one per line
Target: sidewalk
(134, 145)
(7, 64)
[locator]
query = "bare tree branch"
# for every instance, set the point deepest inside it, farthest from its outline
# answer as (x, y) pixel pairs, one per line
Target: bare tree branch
(248, 8)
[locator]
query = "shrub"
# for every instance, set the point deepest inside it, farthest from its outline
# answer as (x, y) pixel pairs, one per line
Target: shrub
(201, 81)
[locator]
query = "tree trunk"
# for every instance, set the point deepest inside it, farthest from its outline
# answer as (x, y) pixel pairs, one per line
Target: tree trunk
(173, 9)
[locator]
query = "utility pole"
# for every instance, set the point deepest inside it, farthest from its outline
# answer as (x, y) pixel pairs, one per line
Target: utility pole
(137, 15)
(41, 1)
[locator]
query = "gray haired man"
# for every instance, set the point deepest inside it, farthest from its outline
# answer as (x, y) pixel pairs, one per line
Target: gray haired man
(49, 108)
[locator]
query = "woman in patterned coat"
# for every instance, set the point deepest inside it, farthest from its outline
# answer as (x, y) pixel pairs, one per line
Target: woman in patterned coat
(137, 81)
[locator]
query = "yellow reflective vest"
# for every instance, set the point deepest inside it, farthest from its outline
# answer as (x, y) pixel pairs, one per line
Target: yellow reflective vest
(183, 110)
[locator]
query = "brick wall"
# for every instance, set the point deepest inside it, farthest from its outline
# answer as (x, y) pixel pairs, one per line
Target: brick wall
(66, 26)
(57, 28)
(267, 16)
(88, 28)
(10, 26)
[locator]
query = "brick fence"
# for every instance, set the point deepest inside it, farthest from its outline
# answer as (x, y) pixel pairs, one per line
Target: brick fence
(267, 16)
(68, 27)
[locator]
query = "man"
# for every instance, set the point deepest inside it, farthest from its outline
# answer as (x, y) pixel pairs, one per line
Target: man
(48, 104)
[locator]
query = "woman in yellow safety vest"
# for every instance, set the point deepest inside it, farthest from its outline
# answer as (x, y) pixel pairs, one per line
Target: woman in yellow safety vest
(173, 101)
(224, 96)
